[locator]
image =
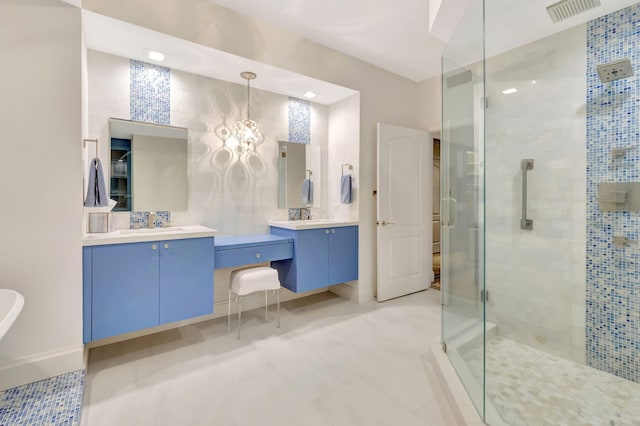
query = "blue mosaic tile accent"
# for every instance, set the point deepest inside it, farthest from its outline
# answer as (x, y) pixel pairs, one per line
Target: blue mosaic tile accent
(53, 401)
(299, 120)
(305, 214)
(150, 99)
(294, 214)
(141, 219)
(613, 274)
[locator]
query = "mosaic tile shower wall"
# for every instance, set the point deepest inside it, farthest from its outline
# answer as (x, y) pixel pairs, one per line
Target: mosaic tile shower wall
(299, 120)
(150, 93)
(613, 274)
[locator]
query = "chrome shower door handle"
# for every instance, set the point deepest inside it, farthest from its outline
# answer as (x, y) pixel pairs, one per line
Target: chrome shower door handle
(449, 212)
(525, 166)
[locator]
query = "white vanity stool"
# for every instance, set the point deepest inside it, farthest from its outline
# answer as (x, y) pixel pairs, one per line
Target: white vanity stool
(251, 280)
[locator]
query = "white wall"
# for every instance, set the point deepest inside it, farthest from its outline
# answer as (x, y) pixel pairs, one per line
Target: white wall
(537, 278)
(430, 105)
(40, 183)
(344, 148)
(384, 96)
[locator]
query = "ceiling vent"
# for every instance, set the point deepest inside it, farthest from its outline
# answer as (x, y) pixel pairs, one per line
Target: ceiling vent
(565, 9)
(458, 79)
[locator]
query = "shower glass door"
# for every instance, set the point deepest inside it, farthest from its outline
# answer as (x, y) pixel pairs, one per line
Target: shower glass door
(462, 216)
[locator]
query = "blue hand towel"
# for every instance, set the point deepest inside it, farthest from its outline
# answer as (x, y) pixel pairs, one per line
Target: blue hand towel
(345, 189)
(307, 192)
(96, 191)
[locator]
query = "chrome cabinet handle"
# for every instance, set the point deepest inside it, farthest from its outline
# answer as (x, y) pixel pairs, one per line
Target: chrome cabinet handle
(166, 245)
(326, 231)
(525, 166)
(154, 247)
(333, 231)
(258, 255)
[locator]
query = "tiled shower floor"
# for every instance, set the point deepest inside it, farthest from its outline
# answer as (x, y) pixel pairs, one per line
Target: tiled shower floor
(530, 387)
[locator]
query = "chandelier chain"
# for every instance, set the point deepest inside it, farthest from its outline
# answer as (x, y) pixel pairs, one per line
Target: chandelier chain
(248, 99)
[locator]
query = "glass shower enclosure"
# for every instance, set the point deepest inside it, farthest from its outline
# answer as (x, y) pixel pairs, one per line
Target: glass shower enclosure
(540, 155)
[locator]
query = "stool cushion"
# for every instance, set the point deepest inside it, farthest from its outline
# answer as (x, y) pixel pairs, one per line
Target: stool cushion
(249, 280)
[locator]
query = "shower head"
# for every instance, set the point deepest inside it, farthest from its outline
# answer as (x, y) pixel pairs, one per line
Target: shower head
(615, 70)
(565, 9)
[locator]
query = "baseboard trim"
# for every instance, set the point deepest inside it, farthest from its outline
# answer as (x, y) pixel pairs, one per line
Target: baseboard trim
(42, 366)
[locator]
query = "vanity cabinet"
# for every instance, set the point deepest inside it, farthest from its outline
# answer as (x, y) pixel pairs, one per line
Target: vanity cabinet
(322, 257)
(133, 286)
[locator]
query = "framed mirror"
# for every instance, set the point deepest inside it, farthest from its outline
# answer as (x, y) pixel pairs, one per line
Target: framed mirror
(148, 167)
(299, 175)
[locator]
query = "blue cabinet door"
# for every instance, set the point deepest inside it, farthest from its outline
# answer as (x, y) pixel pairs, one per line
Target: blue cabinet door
(87, 260)
(343, 254)
(312, 263)
(186, 279)
(125, 288)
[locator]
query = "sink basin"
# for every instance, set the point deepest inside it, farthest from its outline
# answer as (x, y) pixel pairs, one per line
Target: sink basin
(151, 230)
(311, 224)
(11, 303)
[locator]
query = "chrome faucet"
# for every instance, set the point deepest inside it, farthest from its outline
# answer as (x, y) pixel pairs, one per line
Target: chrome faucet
(152, 219)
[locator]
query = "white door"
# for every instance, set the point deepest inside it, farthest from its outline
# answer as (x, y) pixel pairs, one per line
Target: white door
(404, 211)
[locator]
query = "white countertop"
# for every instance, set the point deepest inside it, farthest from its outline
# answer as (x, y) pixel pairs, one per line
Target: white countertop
(147, 234)
(312, 224)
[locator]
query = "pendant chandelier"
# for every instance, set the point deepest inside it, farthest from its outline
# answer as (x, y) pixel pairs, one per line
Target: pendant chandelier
(246, 130)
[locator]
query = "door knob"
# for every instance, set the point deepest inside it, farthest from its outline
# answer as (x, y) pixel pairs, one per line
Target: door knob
(384, 223)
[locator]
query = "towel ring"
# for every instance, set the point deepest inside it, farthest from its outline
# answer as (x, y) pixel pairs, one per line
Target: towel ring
(349, 166)
(84, 143)
(310, 173)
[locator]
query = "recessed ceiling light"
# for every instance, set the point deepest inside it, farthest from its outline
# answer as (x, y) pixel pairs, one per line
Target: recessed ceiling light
(310, 95)
(534, 81)
(156, 56)
(509, 91)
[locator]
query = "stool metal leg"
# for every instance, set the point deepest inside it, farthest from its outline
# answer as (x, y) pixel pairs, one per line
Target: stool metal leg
(229, 313)
(278, 299)
(239, 302)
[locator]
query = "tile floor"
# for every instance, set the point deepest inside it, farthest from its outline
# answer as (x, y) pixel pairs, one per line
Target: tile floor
(530, 387)
(333, 362)
(53, 401)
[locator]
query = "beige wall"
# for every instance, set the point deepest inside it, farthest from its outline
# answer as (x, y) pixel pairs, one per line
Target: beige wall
(41, 187)
(384, 96)
(430, 105)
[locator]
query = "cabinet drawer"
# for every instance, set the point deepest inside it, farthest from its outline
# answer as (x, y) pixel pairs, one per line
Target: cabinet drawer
(254, 254)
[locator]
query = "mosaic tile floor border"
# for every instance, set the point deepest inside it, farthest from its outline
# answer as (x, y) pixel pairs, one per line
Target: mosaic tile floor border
(530, 387)
(53, 401)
